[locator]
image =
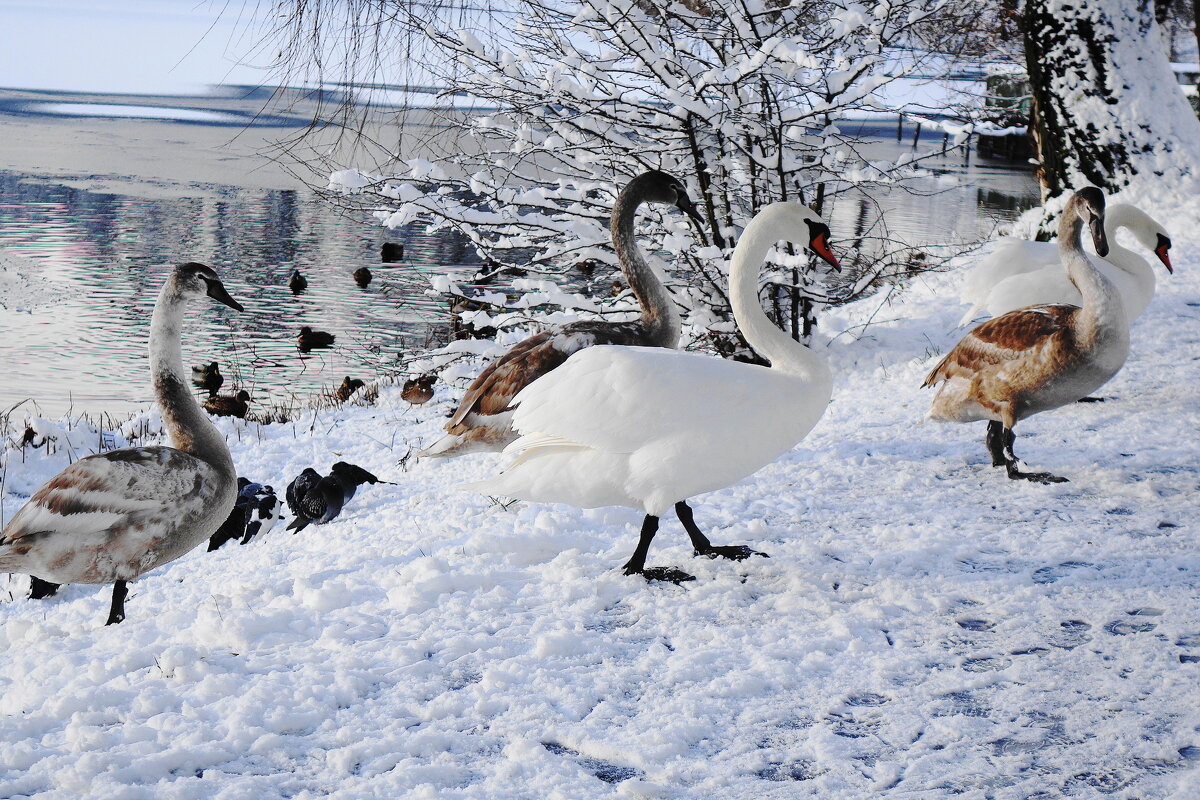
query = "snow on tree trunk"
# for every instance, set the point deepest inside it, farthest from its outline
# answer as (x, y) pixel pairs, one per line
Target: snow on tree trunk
(1107, 109)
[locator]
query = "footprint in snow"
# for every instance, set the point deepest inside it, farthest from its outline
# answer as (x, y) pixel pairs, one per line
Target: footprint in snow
(976, 624)
(1072, 633)
(604, 770)
(1058, 571)
(1139, 623)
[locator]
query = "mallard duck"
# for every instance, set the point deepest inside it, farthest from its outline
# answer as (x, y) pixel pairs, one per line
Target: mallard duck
(419, 390)
(308, 339)
(224, 405)
(349, 386)
(297, 282)
(208, 377)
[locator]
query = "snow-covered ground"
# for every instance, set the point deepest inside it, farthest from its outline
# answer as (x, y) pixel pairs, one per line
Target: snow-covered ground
(924, 628)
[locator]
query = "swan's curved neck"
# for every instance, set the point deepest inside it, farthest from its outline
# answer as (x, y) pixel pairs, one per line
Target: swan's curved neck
(770, 342)
(659, 317)
(1121, 215)
(187, 426)
(1102, 306)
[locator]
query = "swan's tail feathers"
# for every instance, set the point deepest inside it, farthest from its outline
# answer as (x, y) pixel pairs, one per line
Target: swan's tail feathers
(483, 439)
(442, 448)
(969, 317)
(298, 524)
(532, 444)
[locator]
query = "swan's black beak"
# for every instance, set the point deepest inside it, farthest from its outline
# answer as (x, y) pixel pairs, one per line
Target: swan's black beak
(216, 290)
(1096, 224)
(1164, 244)
(685, 204)
(819, 244)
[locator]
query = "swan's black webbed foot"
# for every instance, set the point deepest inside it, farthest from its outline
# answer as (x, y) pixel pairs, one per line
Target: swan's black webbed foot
(701, 546)
(1036, 477)
(734, 552)
(666, 574)
(40, 589)
(1000, 445)
(1092, 400)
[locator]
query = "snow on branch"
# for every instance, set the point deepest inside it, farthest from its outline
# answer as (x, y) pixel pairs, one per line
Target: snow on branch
(741, 100)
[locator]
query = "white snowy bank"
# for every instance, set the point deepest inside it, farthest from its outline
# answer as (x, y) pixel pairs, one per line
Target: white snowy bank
(924, 628)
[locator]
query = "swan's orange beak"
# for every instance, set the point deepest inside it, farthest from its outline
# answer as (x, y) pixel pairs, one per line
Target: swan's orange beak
(820, 245)
(1164, 244)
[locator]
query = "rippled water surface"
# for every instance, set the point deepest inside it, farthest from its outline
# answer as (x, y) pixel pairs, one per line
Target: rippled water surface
(82, 270)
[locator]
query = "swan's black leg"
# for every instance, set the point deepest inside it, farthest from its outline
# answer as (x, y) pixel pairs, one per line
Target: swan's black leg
(40, 589)
(1091, 399)
(703, 546)
(117, 612)
(995, 443)
(1010, 464)
(636, 565)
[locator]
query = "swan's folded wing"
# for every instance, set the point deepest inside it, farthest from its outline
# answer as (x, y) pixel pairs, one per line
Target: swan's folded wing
(1006, 338)
(617, 399)
(493, 389)
(112, 491)
(1009, 256)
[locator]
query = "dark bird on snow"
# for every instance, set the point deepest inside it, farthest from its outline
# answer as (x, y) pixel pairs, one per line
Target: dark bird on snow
(362, 276)
(208, 377)
(419, 390)
(299, 487)
(297, 283)
(308, 339)
(255, 511)
(349, 386)
(224, 405)
(325, 500)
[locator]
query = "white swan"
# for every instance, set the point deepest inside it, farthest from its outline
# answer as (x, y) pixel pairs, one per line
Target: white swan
(1042, 357)
(108, 518)
(647, 428)
(483, 420)
(1019, 273)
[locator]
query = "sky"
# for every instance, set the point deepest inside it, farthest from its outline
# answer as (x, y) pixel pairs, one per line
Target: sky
(128, 46)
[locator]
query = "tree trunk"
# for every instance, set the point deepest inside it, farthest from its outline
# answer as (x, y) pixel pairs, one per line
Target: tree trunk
(1106, 108)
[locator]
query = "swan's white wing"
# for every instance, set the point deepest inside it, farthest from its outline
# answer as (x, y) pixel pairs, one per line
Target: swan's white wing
(616, 399)
(110, 516)
(646, 427)
(1010, 256)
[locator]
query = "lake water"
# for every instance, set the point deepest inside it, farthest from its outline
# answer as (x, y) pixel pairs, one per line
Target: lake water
(83, 269)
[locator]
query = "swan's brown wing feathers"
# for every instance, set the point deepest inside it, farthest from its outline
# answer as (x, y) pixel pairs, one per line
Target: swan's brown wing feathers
(1008, 337)
(500, 381)
(493, 390)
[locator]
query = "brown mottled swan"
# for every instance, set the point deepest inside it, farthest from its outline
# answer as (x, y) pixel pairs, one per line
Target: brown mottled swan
(1042, 357)
(111, 517)
(483, 421)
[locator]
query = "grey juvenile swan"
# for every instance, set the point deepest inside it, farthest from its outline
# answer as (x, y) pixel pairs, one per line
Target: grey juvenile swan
(111, 517)
(483, 421)
(1041, 357)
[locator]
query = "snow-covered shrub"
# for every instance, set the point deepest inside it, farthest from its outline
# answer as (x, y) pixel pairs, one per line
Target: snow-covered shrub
(556, 105)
